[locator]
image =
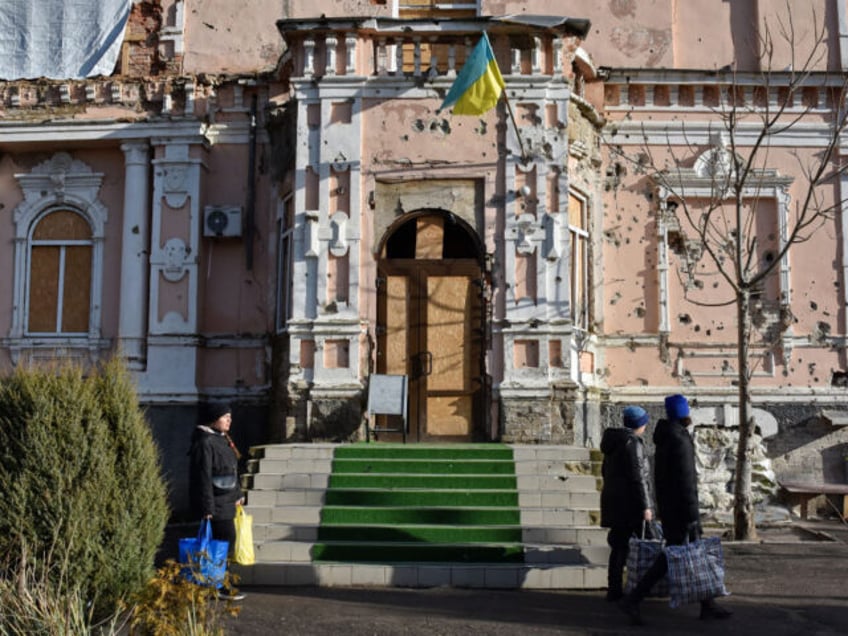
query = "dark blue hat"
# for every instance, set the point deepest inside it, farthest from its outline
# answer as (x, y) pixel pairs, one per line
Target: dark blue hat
(635, 417)
(676, 407)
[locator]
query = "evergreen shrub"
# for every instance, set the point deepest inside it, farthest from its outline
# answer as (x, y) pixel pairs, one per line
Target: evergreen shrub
(81, 481)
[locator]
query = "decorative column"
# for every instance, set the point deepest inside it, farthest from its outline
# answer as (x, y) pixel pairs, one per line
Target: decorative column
(174, 249)
(132, 324)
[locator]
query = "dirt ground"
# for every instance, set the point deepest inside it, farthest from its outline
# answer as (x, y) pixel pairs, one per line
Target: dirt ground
(793, 582)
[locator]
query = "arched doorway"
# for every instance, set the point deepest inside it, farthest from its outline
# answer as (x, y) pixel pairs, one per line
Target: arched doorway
(431, 323)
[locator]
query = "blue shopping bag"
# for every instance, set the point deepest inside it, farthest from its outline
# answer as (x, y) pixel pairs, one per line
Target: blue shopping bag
(205, 558)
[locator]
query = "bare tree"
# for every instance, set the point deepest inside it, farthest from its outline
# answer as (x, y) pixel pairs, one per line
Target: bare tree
(718, 204)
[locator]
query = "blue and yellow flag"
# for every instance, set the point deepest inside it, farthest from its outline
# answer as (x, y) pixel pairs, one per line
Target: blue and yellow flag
(479, 85)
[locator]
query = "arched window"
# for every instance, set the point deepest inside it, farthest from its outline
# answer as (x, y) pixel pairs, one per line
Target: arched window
(59, 281)
(58, 274)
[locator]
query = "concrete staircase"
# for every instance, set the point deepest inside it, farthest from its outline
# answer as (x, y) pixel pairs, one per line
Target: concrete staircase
(564, 548)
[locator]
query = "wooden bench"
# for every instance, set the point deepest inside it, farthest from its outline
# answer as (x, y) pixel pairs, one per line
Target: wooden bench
(802, 492)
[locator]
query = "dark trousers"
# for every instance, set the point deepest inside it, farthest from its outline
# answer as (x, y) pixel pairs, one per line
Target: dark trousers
(618, 539)
(225, 530)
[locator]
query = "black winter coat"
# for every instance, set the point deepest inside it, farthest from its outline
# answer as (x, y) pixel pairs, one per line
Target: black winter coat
(626, 492)
(213, 475)
(675, 478)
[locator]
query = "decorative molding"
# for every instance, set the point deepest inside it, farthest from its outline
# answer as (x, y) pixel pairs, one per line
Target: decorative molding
(339, 229)
(61, 181)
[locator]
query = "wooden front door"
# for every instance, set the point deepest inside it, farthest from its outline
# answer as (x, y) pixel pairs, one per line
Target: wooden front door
(430, 315)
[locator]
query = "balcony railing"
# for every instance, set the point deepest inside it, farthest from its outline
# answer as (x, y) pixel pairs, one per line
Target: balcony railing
(424, 48)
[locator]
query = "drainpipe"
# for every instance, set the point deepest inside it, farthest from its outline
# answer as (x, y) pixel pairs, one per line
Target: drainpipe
(250, 206)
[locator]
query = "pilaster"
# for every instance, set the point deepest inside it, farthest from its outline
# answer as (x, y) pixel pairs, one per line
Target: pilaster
(132, 326)
(174, 252)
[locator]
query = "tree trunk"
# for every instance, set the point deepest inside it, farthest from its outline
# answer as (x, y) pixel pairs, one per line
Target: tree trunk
(744, 526)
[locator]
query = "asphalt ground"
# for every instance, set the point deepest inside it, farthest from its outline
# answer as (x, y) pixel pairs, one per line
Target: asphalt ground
(793, 582)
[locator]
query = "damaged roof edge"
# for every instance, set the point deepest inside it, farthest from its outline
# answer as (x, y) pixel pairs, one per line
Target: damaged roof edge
(556, 24)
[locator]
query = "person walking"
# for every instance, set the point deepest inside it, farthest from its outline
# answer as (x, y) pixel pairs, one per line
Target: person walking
(213, 476)
(626, 501)
(676, 482)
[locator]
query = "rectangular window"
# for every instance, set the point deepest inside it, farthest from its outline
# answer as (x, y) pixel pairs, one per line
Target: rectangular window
(285, 236)
(59, 289)
(579, 275)
(410, 9)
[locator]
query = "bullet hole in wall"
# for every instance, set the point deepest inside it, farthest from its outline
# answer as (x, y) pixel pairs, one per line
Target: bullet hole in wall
(684, 319)
(814, 305)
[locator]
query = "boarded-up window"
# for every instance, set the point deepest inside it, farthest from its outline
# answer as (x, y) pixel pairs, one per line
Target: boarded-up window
(408, 9)
(443, 9)
(60, 262)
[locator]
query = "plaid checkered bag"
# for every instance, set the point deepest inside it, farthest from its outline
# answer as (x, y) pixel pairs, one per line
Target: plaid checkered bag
(695, 571)
(643, 552)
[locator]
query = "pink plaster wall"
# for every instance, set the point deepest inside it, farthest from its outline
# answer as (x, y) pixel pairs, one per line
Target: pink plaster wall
(230, 37)
(807, 23)
(108, 161)
(629, 304)
(682, 34)
(10, 197)
(226, 37)
(235, 300)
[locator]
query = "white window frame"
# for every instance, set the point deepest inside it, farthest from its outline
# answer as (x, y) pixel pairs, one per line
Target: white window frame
(285, 263)
(471, 4)
(62, 244)
(579, 312)
(61, 182)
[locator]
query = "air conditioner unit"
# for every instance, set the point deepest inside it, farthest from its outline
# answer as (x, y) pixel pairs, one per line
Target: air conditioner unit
(221, 220)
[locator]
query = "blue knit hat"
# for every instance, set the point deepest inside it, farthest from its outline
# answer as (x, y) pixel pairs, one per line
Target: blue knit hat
(635, 417)
(676, 407)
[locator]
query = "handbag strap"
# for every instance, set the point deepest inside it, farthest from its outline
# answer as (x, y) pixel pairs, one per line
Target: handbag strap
(204, 534)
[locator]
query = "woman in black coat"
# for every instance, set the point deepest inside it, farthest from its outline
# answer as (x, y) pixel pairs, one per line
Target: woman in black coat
(214, 488)
(626, 500)
(676, 482)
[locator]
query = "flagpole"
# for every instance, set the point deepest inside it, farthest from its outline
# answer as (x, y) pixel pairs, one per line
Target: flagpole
(514, 125)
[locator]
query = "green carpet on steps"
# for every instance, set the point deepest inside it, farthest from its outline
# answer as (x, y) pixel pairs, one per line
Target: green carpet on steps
(390, 503)
(427, 482)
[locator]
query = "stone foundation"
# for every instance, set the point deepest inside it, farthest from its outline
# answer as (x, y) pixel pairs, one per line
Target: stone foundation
(535, 419)
(335, 419)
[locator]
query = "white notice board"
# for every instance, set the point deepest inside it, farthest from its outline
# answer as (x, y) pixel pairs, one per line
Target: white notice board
(387, 394)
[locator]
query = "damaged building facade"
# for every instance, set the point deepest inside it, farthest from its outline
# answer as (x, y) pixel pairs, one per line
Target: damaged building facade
(265, 204)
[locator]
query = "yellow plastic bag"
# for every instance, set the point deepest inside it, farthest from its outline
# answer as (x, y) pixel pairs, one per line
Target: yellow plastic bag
(243, 552)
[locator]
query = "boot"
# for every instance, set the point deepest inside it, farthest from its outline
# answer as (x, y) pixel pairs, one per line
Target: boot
(614, 596)
(630, 606)
(710, 609)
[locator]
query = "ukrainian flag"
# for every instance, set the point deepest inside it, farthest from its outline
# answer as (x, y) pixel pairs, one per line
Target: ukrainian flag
(479, 85)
